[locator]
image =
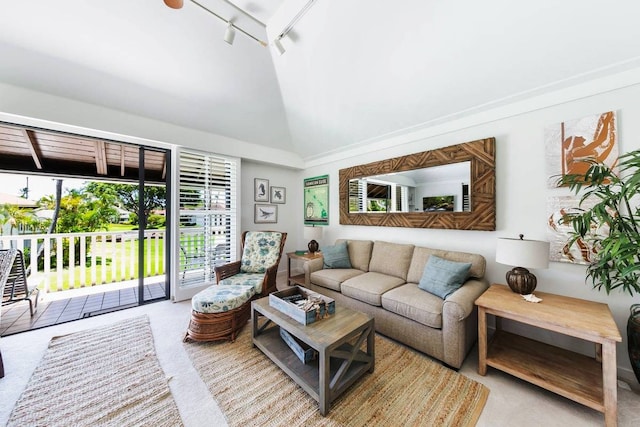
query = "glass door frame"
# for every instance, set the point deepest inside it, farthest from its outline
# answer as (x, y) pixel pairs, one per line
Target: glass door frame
(142, 225)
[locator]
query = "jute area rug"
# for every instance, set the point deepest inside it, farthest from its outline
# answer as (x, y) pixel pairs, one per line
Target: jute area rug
(406, 389)
(108, 376)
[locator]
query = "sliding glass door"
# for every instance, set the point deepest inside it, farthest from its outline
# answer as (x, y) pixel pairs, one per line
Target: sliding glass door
(154, 229)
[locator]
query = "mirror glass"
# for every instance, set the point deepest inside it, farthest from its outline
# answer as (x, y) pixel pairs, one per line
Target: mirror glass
(443, 188)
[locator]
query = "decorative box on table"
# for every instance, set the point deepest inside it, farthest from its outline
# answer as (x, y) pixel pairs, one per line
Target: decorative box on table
(302, 350)
(284, 301)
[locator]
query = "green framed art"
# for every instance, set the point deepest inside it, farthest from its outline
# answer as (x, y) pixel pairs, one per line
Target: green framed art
(316, 200)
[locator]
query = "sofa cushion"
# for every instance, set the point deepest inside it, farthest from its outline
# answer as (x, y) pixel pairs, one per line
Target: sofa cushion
(422, 254)
(332, 278)
(369, 287)
(336, 256)
(413, 303)
(391, 258)
(442, 277)
(359, 253)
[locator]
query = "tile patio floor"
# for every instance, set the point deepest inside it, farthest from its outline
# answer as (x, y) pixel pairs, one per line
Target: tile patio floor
(53, 310)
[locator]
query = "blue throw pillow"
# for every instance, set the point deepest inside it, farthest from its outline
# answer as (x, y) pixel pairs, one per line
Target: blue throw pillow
(442, 277)
(336, 256)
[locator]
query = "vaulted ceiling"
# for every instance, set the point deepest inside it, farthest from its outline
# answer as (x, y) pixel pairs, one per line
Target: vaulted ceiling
(354, 71)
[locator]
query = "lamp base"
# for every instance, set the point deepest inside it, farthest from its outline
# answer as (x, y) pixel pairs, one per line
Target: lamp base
(521, 281)
(313, 246)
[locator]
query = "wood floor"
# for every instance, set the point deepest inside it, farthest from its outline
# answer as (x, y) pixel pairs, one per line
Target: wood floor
(16, 318)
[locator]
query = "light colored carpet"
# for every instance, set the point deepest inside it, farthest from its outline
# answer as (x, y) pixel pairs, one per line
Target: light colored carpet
(406, 389)
(511, 402)
(107, 376)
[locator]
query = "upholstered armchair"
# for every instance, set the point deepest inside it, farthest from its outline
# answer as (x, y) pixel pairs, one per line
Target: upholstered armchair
(221, 310)
(261, 253)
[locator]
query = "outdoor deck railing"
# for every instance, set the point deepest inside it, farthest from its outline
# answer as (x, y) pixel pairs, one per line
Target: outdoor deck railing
(98, 257)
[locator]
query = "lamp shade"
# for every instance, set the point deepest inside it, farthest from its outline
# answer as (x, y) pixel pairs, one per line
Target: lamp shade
(523, 253)
(313, 233)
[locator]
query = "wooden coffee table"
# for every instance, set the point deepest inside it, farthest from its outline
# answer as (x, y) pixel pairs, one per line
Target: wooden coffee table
(337, 339)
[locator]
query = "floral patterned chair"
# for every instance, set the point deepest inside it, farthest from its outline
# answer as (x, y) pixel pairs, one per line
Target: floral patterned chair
(221, 310)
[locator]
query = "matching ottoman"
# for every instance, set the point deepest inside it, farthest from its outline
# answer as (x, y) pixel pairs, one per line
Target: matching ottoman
(219, 312)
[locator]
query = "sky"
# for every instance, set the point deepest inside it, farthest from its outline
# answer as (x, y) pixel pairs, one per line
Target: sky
(39, 186)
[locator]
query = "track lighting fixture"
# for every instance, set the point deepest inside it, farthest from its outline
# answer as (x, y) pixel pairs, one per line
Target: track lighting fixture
(230, 33)
(277, 43)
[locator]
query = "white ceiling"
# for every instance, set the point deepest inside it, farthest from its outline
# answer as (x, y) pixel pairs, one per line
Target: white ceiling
(354, 71)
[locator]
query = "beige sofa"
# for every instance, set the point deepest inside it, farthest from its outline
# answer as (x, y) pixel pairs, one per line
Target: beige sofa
(383, 282)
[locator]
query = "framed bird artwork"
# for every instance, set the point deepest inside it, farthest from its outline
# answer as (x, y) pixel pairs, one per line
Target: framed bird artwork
(264, 214)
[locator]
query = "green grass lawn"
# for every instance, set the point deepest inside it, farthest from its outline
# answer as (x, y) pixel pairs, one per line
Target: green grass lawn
(120, 227)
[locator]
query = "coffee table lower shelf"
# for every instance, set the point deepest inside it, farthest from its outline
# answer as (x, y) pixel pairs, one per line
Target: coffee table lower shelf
(307, 375)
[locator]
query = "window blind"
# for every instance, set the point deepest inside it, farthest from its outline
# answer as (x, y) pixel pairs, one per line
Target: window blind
(357, 195)
(208, 215)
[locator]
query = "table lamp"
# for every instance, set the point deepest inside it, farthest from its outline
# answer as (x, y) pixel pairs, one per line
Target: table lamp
(313, 234)
(524, 254)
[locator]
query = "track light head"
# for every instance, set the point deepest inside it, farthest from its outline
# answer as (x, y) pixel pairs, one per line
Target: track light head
(278, 45)
(230, 33)
(174, 4)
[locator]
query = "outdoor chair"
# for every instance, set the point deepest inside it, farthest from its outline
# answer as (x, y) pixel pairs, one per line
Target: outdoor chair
(16, 288)
(195, 258)
(221, 310)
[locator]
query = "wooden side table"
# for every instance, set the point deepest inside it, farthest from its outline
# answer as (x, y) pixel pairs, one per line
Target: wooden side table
(590, 381)
(299, 279)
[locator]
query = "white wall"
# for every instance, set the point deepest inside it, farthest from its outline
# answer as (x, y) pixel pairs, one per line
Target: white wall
(521, 192)
(289, 213)
(520, 197)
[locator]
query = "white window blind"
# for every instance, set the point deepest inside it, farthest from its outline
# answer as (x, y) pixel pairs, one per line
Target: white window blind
(357, 195)
(208, 215)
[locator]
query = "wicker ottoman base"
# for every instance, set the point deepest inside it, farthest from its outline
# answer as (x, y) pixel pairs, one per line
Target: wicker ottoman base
(218, 326)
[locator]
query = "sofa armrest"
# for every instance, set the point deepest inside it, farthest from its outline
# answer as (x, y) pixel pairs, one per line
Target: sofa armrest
(460, 322)
(459, 305)
(311, 266)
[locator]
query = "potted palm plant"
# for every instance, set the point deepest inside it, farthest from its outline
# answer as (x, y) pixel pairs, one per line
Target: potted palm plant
(616, 264)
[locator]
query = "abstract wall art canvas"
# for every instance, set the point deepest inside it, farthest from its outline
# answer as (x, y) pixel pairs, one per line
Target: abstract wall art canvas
(581, 252)
(570, 142)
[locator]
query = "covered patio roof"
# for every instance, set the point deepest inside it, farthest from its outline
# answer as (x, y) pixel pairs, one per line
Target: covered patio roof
(38, 151)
